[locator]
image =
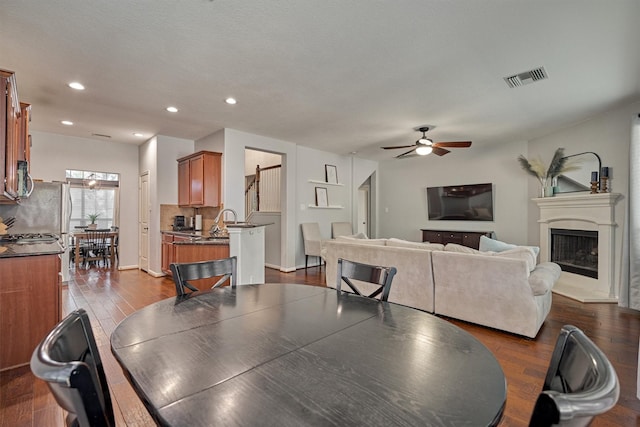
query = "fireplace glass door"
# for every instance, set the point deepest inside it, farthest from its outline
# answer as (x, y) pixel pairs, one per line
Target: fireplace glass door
(575, 251)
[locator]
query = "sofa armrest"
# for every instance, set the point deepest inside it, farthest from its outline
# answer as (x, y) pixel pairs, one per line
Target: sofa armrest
(543, 277)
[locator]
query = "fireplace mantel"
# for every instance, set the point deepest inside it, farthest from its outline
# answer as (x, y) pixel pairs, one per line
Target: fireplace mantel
(582, 211)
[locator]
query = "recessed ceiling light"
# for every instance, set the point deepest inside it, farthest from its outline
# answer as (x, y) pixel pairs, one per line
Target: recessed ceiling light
(172, 109)
(230, 101)
(76, 86)
(138, 134)
(67, 123)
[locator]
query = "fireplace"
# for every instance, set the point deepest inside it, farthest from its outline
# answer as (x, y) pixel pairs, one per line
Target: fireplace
(577, 231)
(575, 251)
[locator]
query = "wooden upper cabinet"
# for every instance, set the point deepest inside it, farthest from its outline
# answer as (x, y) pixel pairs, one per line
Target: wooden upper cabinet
(184, 183)
(24, 138)
(199, 177)
(14, 136)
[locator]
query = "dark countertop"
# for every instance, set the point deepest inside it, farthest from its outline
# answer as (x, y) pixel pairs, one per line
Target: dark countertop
(197, 238)
(10, 250)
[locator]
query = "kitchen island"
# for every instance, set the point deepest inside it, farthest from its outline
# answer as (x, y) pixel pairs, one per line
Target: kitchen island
(30, 298)
(191, 246)
(242, 240)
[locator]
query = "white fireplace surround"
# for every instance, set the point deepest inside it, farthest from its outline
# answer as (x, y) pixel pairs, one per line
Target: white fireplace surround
(582, 211)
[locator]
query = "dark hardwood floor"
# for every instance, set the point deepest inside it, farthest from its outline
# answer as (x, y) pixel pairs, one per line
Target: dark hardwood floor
(110, 295)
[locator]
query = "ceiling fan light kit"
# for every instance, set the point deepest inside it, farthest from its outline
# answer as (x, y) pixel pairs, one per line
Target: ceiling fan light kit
(424, 150)
(425, 146)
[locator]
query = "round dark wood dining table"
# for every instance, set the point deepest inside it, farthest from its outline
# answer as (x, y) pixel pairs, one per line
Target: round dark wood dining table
(296, 355)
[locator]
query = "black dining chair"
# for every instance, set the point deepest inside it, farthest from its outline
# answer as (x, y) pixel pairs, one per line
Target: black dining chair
(379, 276)
(185, 272)
(95, 247)
(69, 361)
(580, 383)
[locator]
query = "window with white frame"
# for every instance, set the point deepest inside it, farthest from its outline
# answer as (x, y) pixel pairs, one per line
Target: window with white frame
(94, 198)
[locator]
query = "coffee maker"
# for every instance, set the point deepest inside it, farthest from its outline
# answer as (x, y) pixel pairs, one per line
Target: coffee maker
(178, 223)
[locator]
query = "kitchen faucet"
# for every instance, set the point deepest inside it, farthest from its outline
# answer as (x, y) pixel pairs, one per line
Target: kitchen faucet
(215, 228)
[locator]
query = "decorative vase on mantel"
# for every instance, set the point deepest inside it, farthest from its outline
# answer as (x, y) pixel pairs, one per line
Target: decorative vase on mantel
(546, 188)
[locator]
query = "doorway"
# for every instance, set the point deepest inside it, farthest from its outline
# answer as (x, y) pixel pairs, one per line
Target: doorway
(265, 200)
(364, 208)
(143, 222)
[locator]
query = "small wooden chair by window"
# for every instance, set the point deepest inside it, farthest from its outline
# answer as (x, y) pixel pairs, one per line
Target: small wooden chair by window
(580, 383)
(69, 361)
(381, 277)
(183, 273)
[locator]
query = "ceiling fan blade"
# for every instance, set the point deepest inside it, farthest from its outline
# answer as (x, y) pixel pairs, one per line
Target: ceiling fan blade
(454, 144)
(440, 151)
(405, 154)
(398, 146)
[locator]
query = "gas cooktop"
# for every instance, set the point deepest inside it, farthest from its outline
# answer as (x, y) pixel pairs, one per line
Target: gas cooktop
(29, 238)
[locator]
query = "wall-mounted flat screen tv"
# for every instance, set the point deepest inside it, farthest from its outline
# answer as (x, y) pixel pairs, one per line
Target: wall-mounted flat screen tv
(472, 202)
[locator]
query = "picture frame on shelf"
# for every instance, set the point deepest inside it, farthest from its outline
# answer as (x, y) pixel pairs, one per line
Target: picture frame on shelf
(331, 174)
(322, 198)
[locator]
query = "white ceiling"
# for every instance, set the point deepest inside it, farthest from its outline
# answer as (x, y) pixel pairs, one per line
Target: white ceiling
(336, 75)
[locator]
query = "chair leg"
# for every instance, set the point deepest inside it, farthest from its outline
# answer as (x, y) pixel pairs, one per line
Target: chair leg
(306, 261)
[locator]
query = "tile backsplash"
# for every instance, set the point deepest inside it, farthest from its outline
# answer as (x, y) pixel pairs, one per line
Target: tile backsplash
(167, 212)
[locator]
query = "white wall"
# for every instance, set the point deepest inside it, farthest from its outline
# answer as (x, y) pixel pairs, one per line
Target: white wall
(608, 135)
(235, 143)
(158, 157)
(311, 166)
(52, 154)
(402, 191)
(263, 159)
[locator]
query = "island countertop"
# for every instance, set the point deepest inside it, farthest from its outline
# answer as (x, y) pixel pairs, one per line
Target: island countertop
(197, 238)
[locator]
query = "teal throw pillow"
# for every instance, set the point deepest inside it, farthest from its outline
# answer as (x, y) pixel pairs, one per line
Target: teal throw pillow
(487, 244)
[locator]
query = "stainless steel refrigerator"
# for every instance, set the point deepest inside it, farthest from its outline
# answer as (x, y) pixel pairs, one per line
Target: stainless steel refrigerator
(47, 210)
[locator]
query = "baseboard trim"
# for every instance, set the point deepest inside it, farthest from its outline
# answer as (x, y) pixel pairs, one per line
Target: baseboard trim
(127, 267)
(154, 274)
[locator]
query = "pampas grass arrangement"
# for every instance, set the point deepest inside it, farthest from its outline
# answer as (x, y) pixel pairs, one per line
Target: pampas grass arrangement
(558, 166)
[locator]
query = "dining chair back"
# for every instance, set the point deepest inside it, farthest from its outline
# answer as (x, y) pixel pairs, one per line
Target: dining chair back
(380, 277)
(69, 361)
(95, 247)
(312, 240)
(580, 383)
(183, 273)
(341, 229)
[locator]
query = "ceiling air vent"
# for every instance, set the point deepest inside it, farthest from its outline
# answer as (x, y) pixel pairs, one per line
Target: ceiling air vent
(101, 135)
(527, 77)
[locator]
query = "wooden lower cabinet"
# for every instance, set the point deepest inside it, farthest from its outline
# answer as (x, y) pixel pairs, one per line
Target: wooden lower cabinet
(188, 252)
(193, 253)
(464, 238)
(30, 295)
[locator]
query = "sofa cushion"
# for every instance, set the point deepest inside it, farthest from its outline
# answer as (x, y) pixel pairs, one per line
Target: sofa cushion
(543, 277)
(350, 239)
(399, 243)
(487, 244)
(519, 252)
(454, 247)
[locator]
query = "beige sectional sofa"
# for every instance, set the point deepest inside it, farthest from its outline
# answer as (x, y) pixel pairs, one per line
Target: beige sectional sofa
(502, 290)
